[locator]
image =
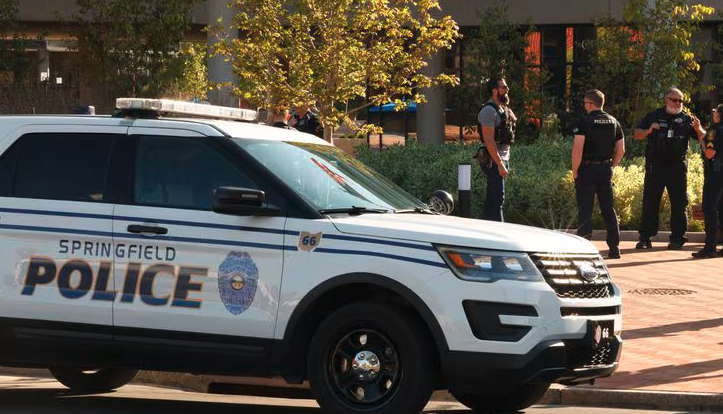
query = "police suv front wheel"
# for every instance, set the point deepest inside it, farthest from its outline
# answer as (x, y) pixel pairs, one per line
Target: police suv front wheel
(511, 401)
(371, 357)
(93, 380)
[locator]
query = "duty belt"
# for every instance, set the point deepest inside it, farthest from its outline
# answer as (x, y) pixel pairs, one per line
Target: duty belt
(607, 161)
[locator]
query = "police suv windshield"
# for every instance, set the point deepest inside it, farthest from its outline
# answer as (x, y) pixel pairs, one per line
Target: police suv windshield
(328, 178)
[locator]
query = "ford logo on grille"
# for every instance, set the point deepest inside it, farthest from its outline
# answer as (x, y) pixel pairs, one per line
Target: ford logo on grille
(588, 272)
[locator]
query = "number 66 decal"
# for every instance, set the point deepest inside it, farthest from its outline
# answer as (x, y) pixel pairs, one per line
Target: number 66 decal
(309, 241)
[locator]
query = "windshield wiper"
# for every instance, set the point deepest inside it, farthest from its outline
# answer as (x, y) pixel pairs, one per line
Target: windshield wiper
(353, 210)
(419, 210)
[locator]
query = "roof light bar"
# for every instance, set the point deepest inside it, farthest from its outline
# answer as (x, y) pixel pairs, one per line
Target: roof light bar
(187, 108)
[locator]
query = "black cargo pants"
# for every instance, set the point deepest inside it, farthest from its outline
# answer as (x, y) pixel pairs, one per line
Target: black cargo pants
(658, 177)
(596, 180)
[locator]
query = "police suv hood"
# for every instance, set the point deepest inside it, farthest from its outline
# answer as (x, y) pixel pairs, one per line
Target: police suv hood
(456, 231)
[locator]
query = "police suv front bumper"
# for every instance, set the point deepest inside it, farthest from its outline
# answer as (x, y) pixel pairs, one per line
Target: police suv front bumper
(566, 361)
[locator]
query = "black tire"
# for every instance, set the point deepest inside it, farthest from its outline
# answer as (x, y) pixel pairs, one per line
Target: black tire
(84, 380)
(373, 347)
(511, 401)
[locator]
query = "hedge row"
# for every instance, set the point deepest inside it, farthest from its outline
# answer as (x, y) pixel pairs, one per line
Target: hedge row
(540, 188)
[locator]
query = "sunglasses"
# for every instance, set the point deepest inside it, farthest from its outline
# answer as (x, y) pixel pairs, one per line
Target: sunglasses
(675, 100)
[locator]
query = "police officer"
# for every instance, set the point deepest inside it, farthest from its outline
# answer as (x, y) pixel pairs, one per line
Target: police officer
(305, 121)
(496, 123)
(712, 146)
(667, 130)
(598, 147)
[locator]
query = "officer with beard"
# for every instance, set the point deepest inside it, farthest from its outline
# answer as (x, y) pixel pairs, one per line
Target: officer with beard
(667, 130)
(496, 123)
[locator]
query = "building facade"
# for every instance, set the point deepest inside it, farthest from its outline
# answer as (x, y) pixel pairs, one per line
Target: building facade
(561, 25)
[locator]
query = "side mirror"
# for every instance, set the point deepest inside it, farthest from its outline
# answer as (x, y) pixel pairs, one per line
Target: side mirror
(242, 202)
(441, 202)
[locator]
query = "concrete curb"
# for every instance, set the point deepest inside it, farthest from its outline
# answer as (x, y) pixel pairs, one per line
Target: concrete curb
(634, 399)
(663, 236)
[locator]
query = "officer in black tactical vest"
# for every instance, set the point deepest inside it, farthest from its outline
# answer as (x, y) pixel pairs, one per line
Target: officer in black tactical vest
(667, 130)
(496, 124)
(598, 147)
(712, 146)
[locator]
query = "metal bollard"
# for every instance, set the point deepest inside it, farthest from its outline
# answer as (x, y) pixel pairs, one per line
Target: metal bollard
(464, 190)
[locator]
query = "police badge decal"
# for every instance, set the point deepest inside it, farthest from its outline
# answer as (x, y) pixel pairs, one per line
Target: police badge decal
(238, 278)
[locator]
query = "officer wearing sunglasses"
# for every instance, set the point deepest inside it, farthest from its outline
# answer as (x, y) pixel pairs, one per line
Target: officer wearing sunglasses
(668, 130)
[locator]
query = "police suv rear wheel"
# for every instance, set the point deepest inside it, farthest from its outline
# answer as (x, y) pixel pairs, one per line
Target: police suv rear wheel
(511, 401)
(371, 357)
(88, 380)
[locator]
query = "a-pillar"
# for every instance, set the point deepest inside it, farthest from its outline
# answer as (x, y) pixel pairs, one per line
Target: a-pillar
(219, 71)
(430, 115)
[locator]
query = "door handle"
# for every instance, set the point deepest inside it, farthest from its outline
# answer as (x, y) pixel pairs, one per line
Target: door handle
(139, 228)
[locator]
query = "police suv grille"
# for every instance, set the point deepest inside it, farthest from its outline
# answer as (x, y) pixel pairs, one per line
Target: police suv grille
(589, 358)
(562, 272)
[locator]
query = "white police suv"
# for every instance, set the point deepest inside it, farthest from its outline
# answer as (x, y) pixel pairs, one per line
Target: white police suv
(225, 247)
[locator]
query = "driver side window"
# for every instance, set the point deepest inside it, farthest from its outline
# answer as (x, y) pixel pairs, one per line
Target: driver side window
(182, 172)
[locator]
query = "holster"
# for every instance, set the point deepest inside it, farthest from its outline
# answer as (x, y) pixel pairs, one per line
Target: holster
(483, 157)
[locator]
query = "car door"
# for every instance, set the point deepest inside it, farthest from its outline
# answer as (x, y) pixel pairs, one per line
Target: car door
(191, 279)
(55, 232)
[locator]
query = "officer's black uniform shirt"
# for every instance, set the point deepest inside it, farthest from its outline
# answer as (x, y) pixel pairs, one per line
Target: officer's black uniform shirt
(670, 143)
(601, 132)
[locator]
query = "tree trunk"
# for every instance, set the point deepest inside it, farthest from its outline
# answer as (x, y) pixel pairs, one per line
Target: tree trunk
(328, 132)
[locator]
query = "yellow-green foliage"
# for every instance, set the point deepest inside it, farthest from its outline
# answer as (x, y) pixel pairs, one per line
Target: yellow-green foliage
(540, 188)
(333, 53)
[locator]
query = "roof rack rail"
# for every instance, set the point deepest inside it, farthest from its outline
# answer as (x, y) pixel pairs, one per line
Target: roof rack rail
(144, 108)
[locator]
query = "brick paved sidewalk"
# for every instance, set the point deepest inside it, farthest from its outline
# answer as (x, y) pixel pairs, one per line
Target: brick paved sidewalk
(672, 320)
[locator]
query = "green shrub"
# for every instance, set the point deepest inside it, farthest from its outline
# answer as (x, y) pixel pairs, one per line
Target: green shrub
(540, 189)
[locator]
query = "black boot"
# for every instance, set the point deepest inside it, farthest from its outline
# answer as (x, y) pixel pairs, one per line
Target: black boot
(644, 244)
(705, 253)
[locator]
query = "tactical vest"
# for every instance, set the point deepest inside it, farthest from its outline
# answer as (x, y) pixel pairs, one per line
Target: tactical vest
(669, 143)
(599, 136)
(505, 131)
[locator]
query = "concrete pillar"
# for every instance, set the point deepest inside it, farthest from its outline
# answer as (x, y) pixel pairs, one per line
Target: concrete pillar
(218, 70)
(44, 65)
(430, 116)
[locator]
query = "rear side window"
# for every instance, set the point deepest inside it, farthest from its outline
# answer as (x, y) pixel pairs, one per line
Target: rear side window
(64, 166)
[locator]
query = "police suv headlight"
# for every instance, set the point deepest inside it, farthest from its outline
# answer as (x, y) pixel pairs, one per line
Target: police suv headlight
(489, 265)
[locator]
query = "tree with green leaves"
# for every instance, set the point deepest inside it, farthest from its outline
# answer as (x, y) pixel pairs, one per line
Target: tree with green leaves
(638, 57)
(500, 48)
(133, 47)
(340, 56)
